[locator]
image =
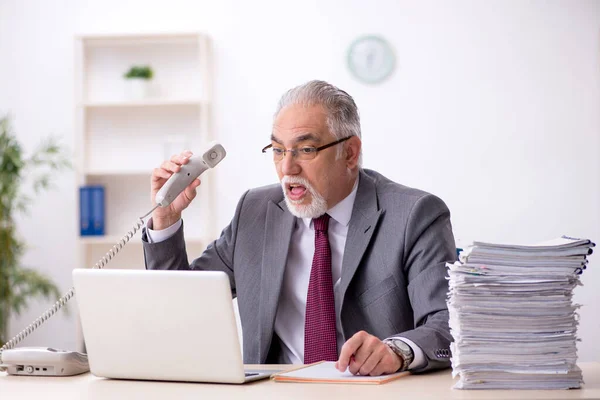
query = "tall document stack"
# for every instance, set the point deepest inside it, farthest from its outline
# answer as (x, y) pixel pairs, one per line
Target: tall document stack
(512, 317)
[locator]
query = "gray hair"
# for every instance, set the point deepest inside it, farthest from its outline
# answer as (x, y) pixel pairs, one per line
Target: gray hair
(342, 114)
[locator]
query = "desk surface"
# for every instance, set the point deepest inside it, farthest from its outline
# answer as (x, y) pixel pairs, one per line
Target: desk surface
(436, 385)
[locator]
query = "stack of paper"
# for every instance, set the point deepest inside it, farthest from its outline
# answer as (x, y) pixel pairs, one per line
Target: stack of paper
(512, 317)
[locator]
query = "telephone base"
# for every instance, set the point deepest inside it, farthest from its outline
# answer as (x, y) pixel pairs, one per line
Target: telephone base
(44, 361)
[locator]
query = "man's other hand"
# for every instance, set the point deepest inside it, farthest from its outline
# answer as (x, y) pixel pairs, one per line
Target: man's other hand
(365, 354)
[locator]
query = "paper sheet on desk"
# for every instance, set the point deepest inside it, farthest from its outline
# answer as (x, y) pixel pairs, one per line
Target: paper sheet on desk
(325, 372)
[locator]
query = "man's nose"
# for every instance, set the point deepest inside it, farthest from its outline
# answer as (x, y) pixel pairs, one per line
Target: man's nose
(288, 164)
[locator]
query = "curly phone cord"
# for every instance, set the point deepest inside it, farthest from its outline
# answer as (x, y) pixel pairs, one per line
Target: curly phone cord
(64, 299)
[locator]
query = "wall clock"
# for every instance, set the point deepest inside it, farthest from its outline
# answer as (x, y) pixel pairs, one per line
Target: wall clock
(371, 59)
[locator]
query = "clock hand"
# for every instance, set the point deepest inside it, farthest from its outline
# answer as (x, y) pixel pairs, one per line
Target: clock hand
(370, 59)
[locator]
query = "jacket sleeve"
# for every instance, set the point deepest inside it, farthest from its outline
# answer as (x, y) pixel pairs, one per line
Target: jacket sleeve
(429, 244)
(171, 254)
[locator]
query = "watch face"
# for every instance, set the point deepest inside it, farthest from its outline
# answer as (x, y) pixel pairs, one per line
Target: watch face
(371, 59)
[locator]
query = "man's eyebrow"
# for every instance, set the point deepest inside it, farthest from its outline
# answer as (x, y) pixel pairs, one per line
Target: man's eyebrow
(307, 137)
(274, 139)
(302, 138)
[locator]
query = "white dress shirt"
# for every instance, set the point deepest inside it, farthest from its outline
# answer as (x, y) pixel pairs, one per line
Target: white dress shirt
(289, 320)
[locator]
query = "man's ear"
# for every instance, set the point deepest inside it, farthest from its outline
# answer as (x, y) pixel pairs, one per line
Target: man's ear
(353, 146)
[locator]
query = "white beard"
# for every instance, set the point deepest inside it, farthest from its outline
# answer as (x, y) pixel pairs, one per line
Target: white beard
(317, 206)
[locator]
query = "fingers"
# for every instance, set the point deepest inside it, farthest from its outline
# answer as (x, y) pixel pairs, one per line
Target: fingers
(195, 183)
(348, 350)
(389, 363)
(165, 217)
(182, 158)
(159, 173)
(171, 166)
(366, 354)
(190, 191)
(375, 363)
(174, 164)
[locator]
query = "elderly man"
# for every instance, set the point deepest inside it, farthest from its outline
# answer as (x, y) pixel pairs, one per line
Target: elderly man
(334, 263)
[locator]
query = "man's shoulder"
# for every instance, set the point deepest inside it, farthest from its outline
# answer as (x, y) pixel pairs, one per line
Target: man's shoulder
(264, 195)
(390, 193)
(386, 186)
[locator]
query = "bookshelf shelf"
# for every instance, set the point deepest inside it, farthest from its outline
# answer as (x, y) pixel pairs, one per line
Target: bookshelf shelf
(136, 40)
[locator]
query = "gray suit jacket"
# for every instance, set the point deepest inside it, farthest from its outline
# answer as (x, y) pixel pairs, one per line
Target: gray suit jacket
(393, 269)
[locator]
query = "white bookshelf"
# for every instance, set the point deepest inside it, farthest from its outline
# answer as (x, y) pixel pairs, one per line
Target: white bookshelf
(121, 139)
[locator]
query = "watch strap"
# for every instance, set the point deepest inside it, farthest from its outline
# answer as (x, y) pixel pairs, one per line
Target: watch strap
(402, 350)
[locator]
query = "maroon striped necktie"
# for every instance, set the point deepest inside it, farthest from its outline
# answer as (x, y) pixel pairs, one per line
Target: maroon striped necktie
(320, 342)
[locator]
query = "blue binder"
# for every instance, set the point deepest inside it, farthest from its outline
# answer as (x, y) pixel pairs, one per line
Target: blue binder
(92, 210)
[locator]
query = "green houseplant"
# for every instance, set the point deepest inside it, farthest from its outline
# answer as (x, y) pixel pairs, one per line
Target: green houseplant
(19, 284)
(140, 72)
(138, 81)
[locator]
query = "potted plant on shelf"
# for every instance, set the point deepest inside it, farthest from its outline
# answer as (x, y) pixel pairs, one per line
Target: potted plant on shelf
(138, 80)
(20, 284)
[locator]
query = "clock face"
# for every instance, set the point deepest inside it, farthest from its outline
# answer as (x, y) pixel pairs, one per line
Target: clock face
(371, 59)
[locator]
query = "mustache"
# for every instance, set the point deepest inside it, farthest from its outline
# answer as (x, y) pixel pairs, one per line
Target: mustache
(296, 180)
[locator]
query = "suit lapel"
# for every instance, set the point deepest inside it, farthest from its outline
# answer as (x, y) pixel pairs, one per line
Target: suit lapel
(365, 216)
(278, 234)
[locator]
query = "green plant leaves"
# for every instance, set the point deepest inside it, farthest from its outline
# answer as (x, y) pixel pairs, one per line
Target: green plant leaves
(19, 285)
(26, 284)
(143, 72)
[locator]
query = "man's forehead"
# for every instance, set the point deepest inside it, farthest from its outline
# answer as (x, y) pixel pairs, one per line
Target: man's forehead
(300, 123)
(298, 116)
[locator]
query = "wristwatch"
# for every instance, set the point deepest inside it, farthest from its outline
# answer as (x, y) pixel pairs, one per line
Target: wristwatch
(402, 350)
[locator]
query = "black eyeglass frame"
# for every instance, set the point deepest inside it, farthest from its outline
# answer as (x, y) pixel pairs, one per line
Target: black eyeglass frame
(315, 149)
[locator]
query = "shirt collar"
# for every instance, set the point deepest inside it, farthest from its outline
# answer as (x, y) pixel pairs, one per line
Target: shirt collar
(342, 211)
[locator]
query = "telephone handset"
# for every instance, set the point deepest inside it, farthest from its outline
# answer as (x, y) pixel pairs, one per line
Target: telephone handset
(42, 361)
(188, 172)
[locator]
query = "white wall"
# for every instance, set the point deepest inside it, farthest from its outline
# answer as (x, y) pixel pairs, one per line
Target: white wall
(494, 107)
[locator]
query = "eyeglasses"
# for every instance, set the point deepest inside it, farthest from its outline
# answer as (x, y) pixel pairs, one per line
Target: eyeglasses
(304, 153)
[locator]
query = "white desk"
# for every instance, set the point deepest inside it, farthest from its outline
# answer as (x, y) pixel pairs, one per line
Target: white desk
(436, 385)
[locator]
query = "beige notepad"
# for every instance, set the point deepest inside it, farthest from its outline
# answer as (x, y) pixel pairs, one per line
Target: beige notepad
(325, 372)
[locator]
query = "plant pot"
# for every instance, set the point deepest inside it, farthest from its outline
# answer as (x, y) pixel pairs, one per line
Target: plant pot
(137, 88)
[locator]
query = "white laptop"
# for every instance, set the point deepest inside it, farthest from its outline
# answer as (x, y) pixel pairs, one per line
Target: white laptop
(160, 325)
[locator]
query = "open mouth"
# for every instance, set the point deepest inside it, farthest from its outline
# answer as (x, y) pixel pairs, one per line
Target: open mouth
(296, 191)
